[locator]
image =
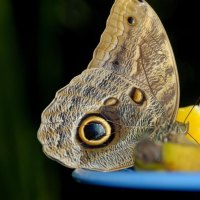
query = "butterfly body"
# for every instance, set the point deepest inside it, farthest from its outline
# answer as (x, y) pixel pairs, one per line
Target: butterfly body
(129, 90)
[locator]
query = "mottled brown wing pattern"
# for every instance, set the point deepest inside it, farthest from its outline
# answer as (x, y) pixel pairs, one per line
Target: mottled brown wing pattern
(140, 50)
(129, 91)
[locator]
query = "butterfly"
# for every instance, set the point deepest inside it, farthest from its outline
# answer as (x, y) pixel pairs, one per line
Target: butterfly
(129, 91)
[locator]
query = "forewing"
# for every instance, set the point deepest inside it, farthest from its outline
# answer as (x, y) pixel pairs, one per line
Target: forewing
(135, 44)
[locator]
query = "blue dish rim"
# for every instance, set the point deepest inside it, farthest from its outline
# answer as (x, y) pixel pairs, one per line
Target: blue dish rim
(147, 180)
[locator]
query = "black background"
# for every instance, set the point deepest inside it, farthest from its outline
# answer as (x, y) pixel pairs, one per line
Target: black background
(54, 41)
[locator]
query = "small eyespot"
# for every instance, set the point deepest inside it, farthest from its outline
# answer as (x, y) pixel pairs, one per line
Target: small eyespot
(131, 20)
(141, 1)
(137, 96)
(116, 62)
(94, 131)
(112, 101)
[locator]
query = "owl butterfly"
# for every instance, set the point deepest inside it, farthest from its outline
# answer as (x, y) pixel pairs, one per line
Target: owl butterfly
(129, 91)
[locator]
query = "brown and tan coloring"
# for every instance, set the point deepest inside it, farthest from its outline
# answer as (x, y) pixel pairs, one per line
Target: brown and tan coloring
(129, 91)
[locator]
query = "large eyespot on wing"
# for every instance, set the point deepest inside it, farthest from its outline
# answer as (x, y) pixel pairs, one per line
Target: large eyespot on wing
(135, 44)
(94, 131)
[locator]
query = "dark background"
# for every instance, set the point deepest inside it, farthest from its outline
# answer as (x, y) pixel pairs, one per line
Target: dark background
(43, 45)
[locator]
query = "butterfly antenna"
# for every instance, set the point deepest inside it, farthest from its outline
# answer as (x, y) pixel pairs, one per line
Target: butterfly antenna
(196, 103)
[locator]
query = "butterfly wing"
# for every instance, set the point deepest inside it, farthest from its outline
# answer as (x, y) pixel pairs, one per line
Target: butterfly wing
(135, 44)
(96, 120)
